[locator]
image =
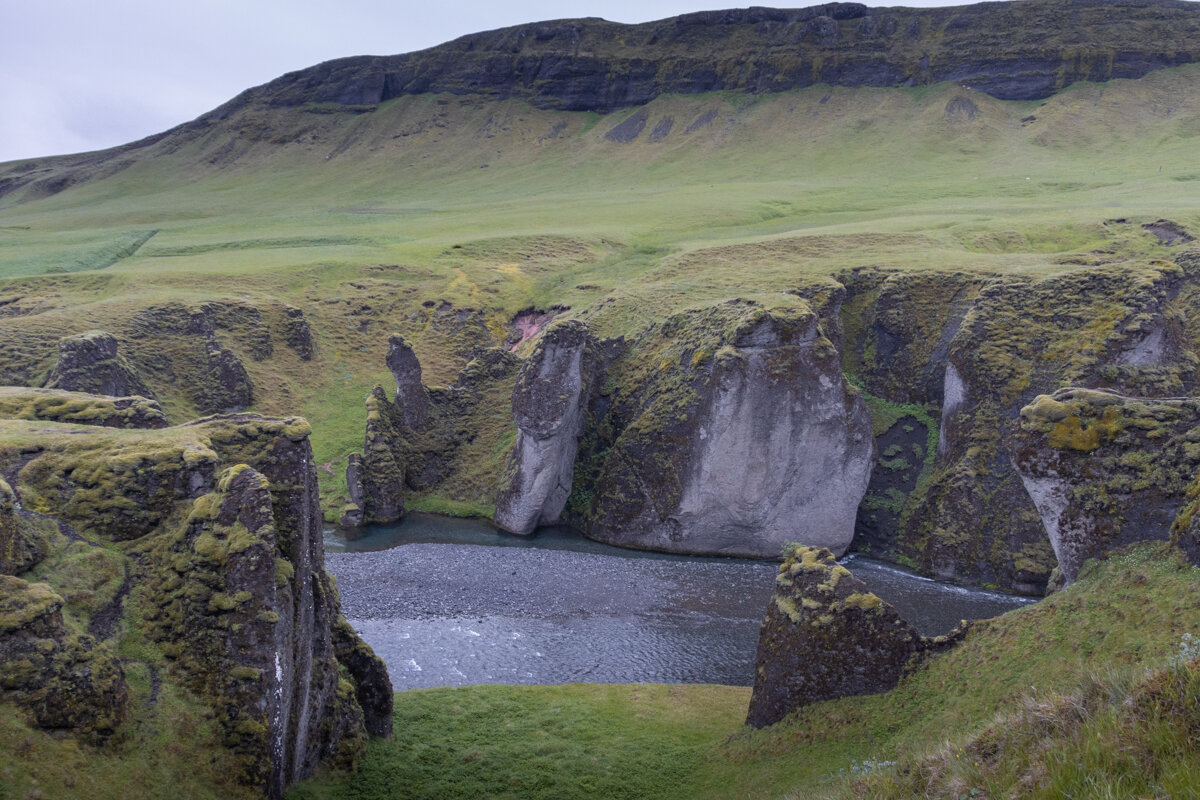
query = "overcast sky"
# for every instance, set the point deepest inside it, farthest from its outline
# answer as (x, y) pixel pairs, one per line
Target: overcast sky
(80, 75)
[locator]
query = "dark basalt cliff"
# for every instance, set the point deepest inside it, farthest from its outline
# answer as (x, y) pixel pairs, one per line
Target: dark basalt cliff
(1017, 50)
(205, 544)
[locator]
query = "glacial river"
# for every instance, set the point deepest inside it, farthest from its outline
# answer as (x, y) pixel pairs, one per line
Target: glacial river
(450, 602)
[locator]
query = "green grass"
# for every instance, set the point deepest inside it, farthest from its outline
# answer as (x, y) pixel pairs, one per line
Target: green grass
(779, 192)
(580, 741)
(1064, 691)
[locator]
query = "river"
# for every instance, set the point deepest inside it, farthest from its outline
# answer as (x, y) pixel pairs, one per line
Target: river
(451, 602)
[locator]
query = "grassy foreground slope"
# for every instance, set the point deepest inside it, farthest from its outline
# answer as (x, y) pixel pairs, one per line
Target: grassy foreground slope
(1094, 692)
(371, 222)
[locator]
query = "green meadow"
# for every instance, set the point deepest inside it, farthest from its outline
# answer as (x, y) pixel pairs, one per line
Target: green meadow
(359, 218)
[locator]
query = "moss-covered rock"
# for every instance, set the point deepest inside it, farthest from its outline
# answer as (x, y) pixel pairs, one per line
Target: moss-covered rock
(217, 525)
(181, 341)
(56, 405)
(426, 440)
(997, 342)
(825, 636)
(726, 430)
(22, 543)
(63, 680)
(1107, 470)
(255, 638)
(90, 362)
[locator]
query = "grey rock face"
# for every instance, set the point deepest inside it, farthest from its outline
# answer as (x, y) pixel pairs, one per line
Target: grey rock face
(90, 362)
(741, 448)
(298, 334)
(411, 397)
(549, 406)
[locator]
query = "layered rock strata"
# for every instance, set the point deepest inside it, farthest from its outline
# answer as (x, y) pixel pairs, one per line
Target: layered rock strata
(594, 65)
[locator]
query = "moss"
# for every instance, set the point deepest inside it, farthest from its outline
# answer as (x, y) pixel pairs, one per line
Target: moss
(245, 674)
(788, 607)
(283, 571)
(21, 602)
(864, 601)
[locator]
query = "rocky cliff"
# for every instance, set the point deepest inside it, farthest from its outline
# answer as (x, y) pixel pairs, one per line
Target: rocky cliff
(732, 431)
(1106, 470)
(549, 407)
(973, 350)
(1011, 50)
(212, 534)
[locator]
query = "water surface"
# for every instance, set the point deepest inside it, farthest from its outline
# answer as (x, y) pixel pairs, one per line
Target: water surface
(450, 602)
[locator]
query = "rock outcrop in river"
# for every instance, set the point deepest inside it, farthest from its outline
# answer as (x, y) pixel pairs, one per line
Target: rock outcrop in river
(825, 636)
(215, 527)
(732, 432)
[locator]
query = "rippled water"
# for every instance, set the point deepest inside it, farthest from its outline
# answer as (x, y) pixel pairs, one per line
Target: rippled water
(443, 610)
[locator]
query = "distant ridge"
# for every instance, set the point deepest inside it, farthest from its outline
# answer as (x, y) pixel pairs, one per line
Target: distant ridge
(1023, 50)
(1019, 50)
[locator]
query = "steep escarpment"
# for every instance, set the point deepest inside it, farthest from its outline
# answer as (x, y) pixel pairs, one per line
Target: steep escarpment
(199, 548)
(1010, 50)
(550, 404)
(960, 509)
(730, 430)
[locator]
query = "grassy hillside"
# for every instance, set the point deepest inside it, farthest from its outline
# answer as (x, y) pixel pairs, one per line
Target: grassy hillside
(370, 222)
(1091, 693)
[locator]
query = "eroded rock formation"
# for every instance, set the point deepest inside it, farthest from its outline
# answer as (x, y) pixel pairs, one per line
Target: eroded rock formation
(955, 358)
(549, 406)
(90, 362)
(825, 636)
(415, 442)
(735, 433)
(1105, 470)
(221, 535)
(63, 679)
